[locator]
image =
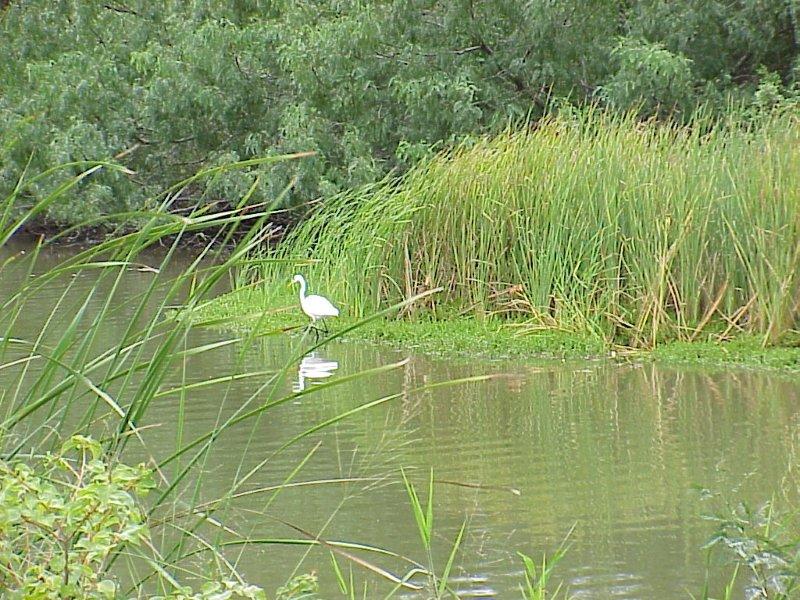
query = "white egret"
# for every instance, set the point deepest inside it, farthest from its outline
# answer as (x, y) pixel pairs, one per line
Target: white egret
(316, 307)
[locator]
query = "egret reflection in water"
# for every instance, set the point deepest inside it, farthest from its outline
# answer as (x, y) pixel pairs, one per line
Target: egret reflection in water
(313, 367)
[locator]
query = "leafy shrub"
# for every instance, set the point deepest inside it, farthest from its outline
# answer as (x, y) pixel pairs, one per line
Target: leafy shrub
(63, 518)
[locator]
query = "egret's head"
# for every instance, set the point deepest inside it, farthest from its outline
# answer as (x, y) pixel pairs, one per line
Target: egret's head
(297, 279)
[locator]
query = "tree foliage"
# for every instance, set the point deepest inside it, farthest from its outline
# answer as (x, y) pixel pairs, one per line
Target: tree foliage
(371, 86)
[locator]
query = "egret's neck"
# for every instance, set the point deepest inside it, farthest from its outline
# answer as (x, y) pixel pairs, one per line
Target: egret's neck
(302, 289)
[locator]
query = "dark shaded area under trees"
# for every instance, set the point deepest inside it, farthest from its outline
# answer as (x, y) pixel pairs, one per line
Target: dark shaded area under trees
(372, 87)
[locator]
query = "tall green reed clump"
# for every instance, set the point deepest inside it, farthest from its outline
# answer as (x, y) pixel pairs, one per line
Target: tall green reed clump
(99, 362)
(637, 231)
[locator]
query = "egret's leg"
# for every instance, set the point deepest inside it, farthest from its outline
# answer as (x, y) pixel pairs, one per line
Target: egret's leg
(309, 327)
(315, 328)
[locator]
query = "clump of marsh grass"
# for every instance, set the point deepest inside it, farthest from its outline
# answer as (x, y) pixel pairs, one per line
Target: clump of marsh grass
(635, 231)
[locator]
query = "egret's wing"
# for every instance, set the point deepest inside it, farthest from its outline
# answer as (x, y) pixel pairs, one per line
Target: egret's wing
(321, 306)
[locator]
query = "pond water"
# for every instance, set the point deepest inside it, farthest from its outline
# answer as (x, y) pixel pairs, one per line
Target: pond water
(629, 455)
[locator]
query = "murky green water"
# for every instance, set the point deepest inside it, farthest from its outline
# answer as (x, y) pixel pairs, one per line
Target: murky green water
(621, 452)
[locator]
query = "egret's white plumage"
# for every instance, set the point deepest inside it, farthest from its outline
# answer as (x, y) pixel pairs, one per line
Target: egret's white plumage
(316, 307)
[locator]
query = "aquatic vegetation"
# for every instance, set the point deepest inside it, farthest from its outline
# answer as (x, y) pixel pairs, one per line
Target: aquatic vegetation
(764, 544)
(423, 517)
(250, 309)
(744, 351)
(635, 232)
(537, 576)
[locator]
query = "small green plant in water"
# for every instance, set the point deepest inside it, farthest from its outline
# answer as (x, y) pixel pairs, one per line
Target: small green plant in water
(538, 578)
(423, 516)
(764, 544)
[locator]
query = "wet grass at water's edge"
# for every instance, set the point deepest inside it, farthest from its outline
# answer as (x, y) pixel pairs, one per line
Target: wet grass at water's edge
(249, 308)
